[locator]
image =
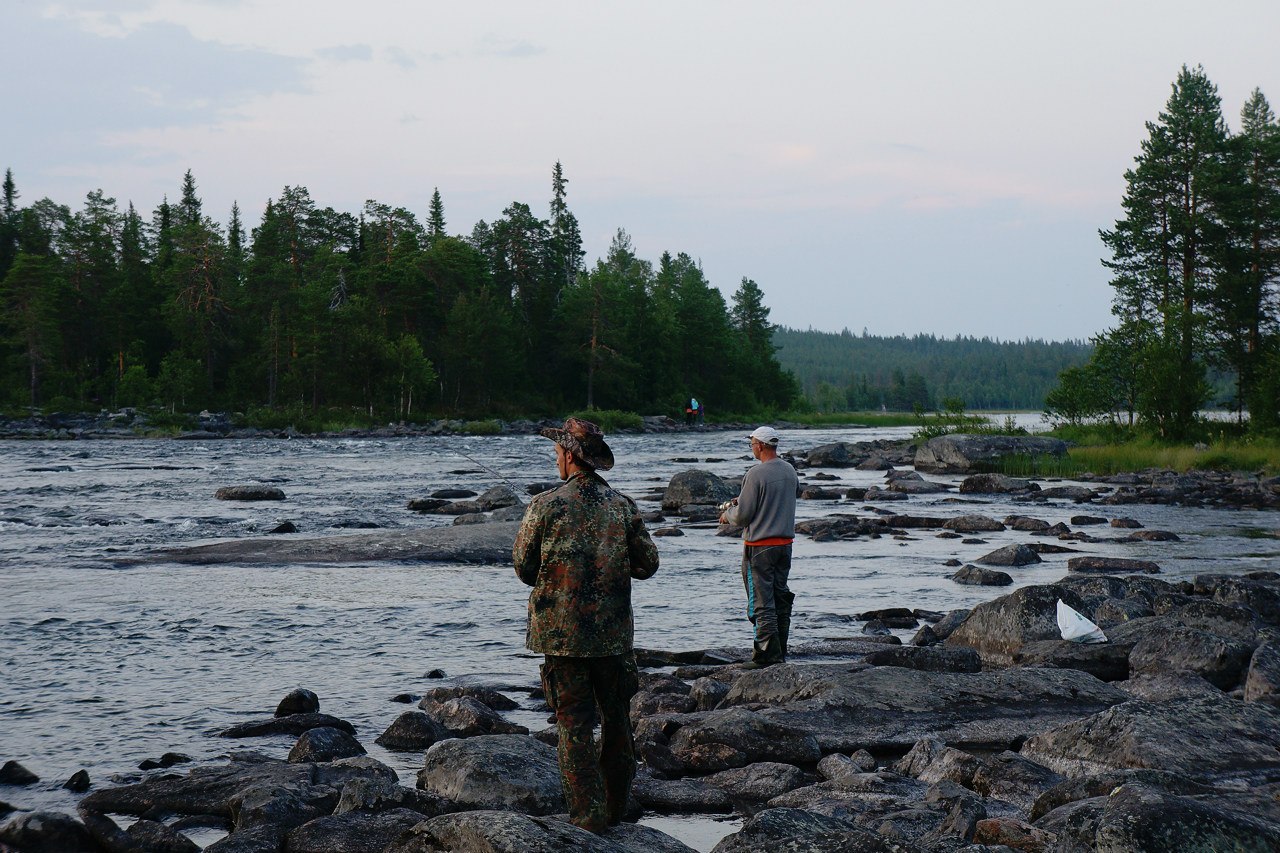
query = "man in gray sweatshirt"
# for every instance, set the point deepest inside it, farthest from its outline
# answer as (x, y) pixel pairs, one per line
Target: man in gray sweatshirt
(766, 508)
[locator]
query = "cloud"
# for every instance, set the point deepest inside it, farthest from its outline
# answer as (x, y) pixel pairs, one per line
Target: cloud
(80, 85)
(346, 53)
(401, 57)
(491, 45)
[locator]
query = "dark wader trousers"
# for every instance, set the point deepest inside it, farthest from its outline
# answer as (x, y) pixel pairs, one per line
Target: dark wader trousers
(764, 574)
(596, 780)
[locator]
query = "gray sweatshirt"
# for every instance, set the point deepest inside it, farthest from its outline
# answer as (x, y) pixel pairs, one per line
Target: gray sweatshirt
(767, 505)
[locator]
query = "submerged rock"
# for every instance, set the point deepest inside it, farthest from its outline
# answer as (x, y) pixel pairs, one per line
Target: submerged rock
(249, 493)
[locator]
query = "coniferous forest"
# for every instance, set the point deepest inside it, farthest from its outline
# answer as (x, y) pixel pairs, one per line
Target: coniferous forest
(373, 313)
(1195, 260)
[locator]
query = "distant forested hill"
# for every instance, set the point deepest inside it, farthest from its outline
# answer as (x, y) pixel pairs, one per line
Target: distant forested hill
(847, 372)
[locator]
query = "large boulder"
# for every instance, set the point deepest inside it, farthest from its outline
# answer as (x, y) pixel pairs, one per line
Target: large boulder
(508, 832)
(1205, 738)
(1263, 681)
(1106, 565)
(412, 731)
(887, 709)
(1000, 627)
(1011, 555)
(971, 454)
(696, 487)
(203, 791)
(352, 832)
(324, 744)
(495, 772)
(995, 484)
(468, 717)
(47, 832)
(736, 737)
(798, 831)
(1220, 661)
(1139, 817)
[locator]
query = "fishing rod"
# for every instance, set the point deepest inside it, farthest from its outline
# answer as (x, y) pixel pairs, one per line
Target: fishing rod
(515, 489)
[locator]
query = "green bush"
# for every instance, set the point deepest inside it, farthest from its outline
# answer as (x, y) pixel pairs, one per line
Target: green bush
(487, 427)
(611, 420)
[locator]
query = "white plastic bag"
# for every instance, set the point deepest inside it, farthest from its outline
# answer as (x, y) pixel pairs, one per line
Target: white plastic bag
(1076, 628)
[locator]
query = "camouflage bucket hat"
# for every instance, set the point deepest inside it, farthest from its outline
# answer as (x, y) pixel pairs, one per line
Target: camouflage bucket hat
(584, 440)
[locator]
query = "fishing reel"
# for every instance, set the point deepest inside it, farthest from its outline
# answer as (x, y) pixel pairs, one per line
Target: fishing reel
(727, 505)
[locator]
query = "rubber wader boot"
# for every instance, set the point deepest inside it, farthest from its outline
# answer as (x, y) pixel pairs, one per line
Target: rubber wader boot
(767, 652)
(784, 627)
(785, 603)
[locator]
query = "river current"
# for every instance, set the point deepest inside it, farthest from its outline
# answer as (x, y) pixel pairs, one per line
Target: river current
(106, 661)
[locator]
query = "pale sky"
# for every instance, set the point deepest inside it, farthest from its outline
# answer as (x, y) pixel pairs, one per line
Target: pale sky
(902, 167)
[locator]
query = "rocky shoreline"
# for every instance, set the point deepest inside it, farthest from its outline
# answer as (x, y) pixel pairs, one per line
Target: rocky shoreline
(983, 731)
(134, 424)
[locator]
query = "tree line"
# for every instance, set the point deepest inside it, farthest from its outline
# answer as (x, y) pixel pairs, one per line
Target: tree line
(846, 372)
(374, 312)
(1195, 261)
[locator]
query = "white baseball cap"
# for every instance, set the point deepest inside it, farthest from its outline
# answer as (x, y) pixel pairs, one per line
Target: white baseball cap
(765, 435)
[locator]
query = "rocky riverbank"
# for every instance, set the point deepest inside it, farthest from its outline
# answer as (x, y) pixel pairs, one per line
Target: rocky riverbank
(985, 732)
(133, 423)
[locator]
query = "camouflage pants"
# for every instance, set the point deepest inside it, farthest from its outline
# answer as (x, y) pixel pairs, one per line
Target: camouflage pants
(596, 780)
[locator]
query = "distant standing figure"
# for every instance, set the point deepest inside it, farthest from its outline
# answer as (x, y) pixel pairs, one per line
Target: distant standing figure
(579, 546)
(691, 411)
(766, 508)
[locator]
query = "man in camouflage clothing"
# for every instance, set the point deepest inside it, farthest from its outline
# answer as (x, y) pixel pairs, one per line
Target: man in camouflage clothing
(579, 546)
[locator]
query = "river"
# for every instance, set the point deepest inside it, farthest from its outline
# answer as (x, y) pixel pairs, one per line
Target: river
(107, 662)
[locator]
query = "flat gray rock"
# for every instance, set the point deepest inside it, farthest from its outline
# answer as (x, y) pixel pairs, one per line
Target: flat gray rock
(510, 832)
(468, 543)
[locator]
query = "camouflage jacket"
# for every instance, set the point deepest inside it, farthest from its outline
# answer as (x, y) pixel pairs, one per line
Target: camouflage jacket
(579, 546)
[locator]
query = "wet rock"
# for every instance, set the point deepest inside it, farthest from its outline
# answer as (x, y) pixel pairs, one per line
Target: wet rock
(931, 761)
(155, 837)
(169, 759)
(1262, 683)
(1138, 817)
(973, 524)
(1126, 523)
(412, 731)
(1111, 564)
(883, 709)
(917, 487)
(293, 724)
(495, 699)
(426, 504)
(876, 627)
(681, 796)
(924, 637)
(468, 717)
(929, 659)
(836, 455)
(667, 531)
(1202, 738)
(1089, 787)
(13, 773)
(203, 791)
(998, 628)
(495, 771)
(1219, 661)
(707, 693)
(995, 484)
(507, 832)
(735, 737)
(696, 487)
(457, 494)
(1010, 555)
(1012, 778)
(875, 494)
(972, 575)
(354, 832)
(284, 527)
(1104, 661)
(1079, 494)
(1225, 620)
(758, 782)
(1024, 524)
(893, 617)
(1152, 536)
(1013, 833)
(380, 795)
(324, 744)
(298, 701)
(79, 782)
(249, 493)
(954, 618)
(1086, 520)
(281, 807)
(815, 493)
(841, 769)
(801, 832)
(1113, 611)
(965, 454)
(47, 832)
(470, 543)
